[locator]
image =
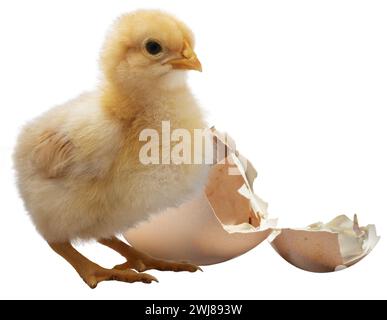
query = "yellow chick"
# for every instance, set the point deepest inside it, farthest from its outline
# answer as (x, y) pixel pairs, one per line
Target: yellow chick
(78, 165)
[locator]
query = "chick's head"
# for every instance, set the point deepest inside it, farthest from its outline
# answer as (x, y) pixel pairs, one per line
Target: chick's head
(147, 47)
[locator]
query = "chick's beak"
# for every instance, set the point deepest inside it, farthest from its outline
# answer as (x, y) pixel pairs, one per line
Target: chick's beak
(189, 60)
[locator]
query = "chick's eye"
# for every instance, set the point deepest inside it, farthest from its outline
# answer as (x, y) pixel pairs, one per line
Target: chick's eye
(153, 47)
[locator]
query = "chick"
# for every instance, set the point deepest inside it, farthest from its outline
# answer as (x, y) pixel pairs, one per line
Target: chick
(78, 165)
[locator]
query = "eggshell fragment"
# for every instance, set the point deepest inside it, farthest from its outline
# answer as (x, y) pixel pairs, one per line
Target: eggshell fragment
(326, 247)
(224, 221)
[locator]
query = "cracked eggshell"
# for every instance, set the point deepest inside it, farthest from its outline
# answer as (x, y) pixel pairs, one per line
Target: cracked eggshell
(224, 221)
(325, 247)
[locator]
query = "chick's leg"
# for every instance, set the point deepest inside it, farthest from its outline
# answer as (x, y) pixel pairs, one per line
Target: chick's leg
(141, 262)
(92, 273)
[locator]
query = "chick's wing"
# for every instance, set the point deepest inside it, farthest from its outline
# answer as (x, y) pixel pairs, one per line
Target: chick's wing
(53, 154)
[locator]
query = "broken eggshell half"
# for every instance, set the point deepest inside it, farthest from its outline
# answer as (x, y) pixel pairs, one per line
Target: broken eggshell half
(227, 219)
(325, 247)
(222, 222)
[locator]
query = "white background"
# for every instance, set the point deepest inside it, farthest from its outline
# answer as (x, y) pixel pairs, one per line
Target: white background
(300, 85)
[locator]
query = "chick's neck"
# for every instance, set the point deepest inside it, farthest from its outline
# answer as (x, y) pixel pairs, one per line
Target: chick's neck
(125, 103)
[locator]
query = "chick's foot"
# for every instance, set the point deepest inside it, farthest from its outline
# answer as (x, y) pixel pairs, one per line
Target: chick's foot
(92, 273)
(100, 274)
(141, 262)
(148, 263)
